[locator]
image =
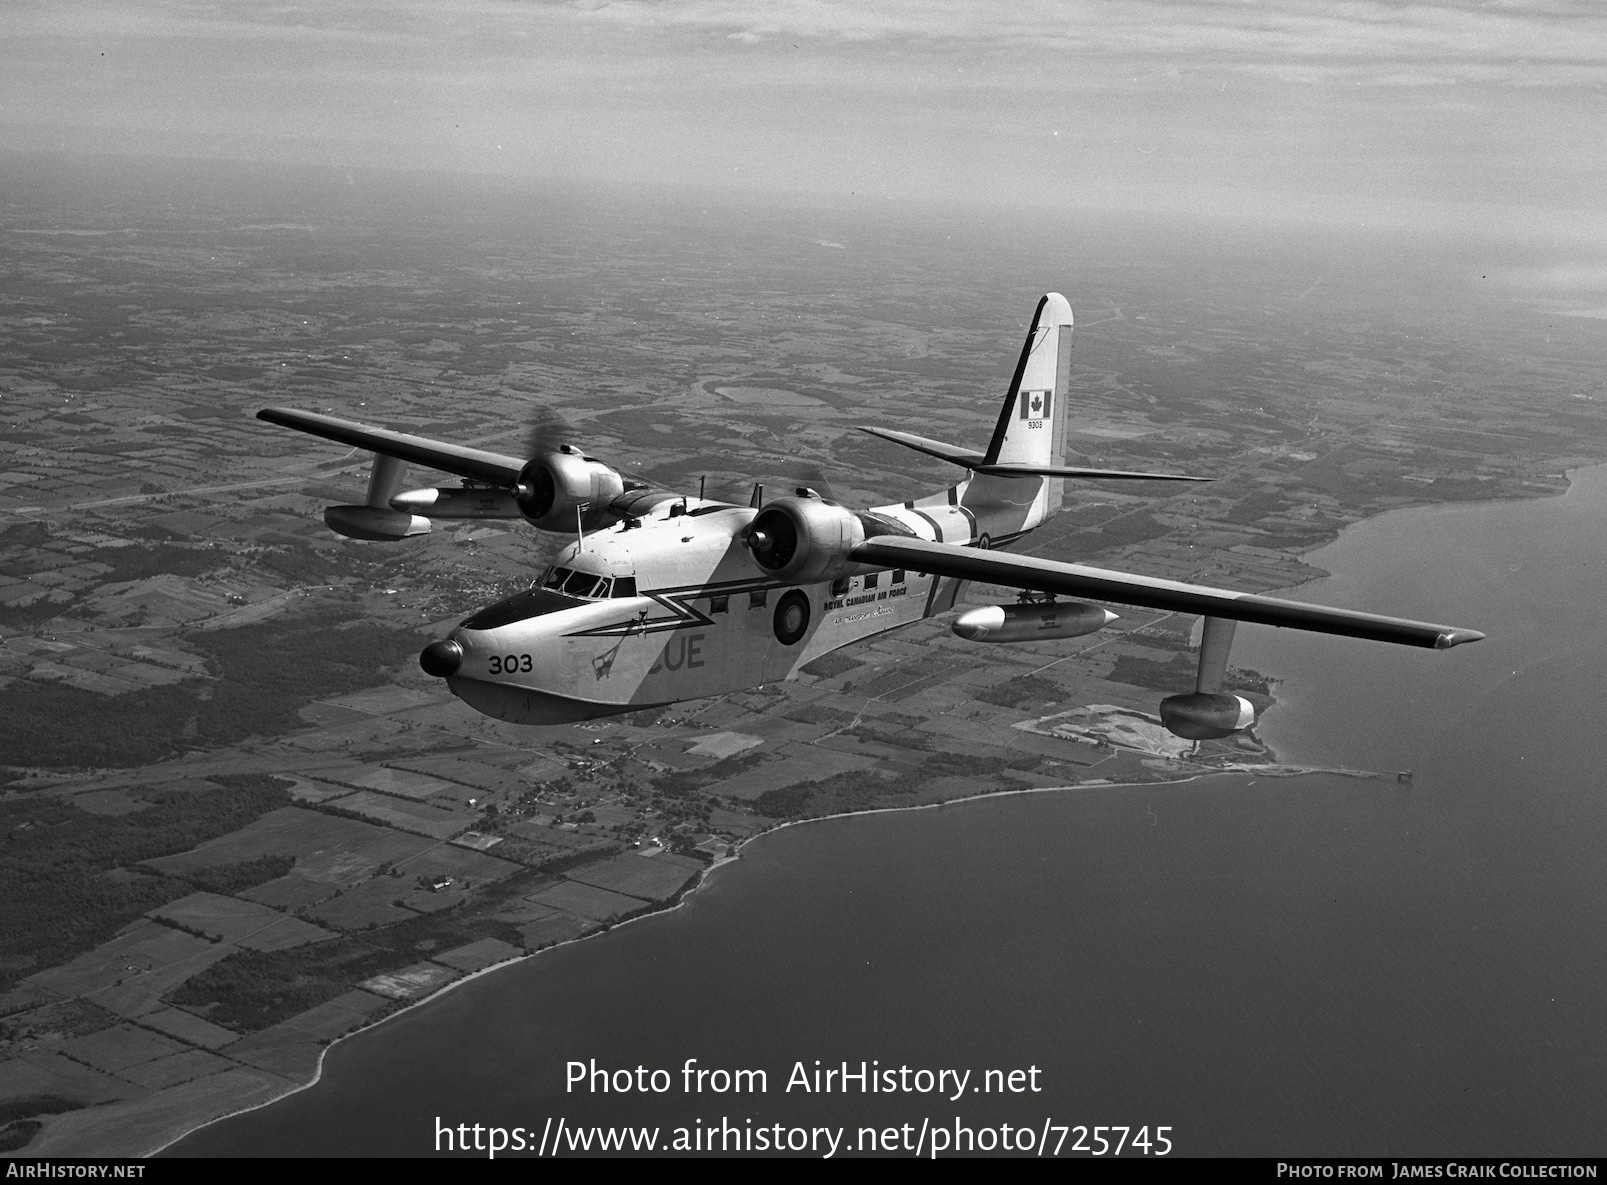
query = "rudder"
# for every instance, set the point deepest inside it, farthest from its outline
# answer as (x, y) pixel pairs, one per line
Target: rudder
(1032, 423)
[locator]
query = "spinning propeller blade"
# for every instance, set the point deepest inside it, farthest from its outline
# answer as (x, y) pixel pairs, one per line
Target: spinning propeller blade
(547, 432)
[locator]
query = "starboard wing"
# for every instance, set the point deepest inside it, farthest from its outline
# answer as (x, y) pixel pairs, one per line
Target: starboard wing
(1052, 576)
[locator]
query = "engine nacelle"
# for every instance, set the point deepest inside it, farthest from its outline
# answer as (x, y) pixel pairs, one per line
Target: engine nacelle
(803, 539)
(553, 485)
(466, 502)
(1202, 717)
(374, 522)
(1031, 622)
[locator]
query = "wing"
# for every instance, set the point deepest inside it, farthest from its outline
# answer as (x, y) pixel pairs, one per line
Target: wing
(978, 462)
(472, 463)
(1030, 572)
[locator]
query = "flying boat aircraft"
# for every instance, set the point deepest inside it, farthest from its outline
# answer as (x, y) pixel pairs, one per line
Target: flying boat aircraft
(664, 597)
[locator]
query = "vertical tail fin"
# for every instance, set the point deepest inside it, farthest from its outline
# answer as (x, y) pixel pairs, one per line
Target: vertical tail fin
(1032, 423)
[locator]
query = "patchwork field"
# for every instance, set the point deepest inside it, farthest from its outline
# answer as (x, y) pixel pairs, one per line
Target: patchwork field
(652, 878)
(402, 783)
(408, 816)
(235, 920)
(412, 982)
(585, 901)
(476, 956)
(119, 1047)
(370, 904)
(558, 927)
(165, 572)
(326, 848)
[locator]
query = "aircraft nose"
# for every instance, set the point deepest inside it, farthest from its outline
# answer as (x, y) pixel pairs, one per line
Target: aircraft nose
(442, 658)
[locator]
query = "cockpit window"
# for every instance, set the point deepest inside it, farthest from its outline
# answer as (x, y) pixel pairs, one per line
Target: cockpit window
(559, 588)
(573, 583)
(580, 584)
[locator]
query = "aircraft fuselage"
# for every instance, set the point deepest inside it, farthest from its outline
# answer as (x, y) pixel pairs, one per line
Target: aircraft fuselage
(680, 611)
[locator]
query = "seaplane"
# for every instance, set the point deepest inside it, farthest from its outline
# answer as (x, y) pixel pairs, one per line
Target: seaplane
(663, 597)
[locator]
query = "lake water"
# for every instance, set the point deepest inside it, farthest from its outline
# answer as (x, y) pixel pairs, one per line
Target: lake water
(1320, 966)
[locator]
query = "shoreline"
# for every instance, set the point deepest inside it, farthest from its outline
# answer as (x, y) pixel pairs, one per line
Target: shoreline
(1275, 771)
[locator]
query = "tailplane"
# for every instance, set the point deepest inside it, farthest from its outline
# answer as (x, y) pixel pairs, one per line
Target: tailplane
(1029, 440)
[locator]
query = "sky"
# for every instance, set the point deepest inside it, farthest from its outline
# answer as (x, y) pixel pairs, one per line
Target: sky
(1474, 115)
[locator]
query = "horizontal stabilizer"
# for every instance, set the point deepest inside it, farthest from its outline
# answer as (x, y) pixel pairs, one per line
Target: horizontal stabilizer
(1078, 471)
(932, 448)
(1124, 588)
(977, 462)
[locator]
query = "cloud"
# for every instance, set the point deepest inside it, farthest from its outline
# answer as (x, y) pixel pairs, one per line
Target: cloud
(1313, 40)
(1341, 105)
(1310, 41)
(1573, 276)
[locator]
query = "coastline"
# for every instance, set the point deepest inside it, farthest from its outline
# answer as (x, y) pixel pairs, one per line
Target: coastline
(44, 1145)
(1275, 770)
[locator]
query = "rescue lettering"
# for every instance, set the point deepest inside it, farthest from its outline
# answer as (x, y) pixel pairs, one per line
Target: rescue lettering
(681, 652)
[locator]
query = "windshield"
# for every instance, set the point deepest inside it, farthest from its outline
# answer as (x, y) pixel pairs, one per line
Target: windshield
(533, 602)
(573, 583)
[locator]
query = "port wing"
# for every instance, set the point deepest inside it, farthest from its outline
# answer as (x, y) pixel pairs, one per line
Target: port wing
(472, 463)
(1052, 576)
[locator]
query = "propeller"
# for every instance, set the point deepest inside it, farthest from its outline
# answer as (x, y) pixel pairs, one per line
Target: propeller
(774, 543)
(785, 478)
(547, 432)
(811, 476)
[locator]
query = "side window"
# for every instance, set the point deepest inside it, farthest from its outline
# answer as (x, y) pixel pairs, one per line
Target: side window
(719, 604)
(839, 588)
(757, 598)
(556, 577)
(625, 586)
(872, 579)
(898, 575)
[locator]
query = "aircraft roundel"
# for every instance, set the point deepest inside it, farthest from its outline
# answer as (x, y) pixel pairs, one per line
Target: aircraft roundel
(792, 617)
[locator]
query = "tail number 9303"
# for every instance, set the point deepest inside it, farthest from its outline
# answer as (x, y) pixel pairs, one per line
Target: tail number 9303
(509, 664)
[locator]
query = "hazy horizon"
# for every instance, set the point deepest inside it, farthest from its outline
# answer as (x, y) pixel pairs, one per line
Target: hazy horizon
(1453, 117)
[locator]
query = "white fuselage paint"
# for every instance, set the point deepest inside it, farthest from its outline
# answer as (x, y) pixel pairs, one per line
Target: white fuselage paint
(703, 621)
